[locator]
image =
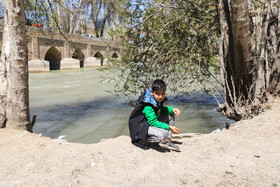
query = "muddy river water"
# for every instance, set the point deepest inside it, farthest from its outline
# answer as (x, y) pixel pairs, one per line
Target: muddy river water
(75, 103)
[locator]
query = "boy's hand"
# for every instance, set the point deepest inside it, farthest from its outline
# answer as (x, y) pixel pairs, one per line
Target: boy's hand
(176, 111)
(175, 130)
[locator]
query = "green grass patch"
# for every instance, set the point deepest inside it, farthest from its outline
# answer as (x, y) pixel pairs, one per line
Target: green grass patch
(229, 172)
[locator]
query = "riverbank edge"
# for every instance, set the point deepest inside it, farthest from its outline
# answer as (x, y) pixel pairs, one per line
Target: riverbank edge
(248, 154)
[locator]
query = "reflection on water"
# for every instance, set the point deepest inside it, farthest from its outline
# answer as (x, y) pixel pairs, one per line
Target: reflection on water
(76, 104)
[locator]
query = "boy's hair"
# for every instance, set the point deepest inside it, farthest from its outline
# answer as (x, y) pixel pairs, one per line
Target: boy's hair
(159, 85)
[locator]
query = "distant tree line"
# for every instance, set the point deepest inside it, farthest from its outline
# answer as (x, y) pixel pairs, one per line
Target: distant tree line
(75, 16)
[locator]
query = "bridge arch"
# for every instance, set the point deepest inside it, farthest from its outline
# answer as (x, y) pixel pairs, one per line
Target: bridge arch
(78, 54)
(54, 57)
(115, 55)
(100, 57)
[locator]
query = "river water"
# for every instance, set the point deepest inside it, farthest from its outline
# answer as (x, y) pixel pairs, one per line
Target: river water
(75, 103)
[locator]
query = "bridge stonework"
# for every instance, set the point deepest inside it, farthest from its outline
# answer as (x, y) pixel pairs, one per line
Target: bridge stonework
(57, 52)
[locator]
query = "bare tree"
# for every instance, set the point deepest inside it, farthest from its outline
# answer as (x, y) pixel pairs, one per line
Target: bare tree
(14, 99)
(103, 12)
(75, 15)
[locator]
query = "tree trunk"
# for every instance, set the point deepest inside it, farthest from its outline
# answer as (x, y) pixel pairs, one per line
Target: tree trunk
(102, 27)
(59, 16)
(78, 25)
(226, 53)
(96, 29)
(14, 67)
(267, 64)
(248, 72)
(3, 91)
(71, 17)
(273, 44)
(240, 22)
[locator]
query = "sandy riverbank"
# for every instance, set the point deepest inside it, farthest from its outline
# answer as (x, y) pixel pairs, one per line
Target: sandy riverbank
(248, 154)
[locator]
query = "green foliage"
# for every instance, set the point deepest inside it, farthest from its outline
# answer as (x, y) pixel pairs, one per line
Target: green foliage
(116, 31)
(76, 172)
(172, 40)
(229, 172)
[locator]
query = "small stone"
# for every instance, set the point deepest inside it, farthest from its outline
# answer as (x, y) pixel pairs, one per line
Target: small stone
(92, 164)
(60, 141)
(61, 137)
(232, 144)
(22, 134)
(215, 131)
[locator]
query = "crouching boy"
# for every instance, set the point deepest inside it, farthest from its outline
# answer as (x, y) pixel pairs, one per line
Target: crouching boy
(151, 121)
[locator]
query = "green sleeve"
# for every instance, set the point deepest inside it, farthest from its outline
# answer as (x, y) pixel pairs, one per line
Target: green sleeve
(152, 118)
(167, 110)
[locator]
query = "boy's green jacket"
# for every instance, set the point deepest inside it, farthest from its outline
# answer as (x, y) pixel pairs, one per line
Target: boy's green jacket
(152, 118)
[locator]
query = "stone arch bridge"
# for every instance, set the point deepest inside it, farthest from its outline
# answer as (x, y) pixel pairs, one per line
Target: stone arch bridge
(51, 51)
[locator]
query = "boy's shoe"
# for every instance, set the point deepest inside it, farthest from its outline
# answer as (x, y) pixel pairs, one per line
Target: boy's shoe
(168, 145)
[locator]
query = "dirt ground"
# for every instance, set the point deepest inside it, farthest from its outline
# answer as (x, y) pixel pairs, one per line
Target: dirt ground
(248, 154)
